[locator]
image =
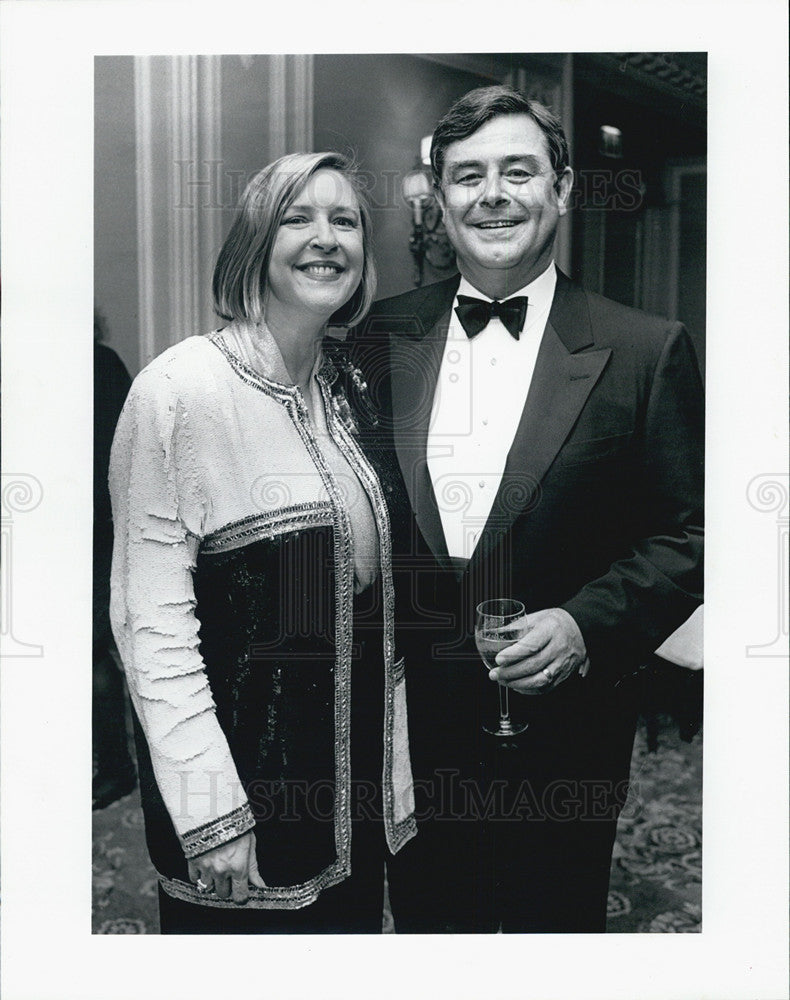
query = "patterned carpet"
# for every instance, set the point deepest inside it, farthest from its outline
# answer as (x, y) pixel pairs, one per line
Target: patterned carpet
(656, 879)
(656, 875)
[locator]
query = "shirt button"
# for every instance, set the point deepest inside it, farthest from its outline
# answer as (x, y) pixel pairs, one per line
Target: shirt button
(453, 377)
(485, 421)
(481, 484)
(493, 361)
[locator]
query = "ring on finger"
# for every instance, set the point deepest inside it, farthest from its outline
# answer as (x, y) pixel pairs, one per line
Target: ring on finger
(549, 676)
(201, 885)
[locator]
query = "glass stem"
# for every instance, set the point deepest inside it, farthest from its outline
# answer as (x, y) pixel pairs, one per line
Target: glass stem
(504, 704)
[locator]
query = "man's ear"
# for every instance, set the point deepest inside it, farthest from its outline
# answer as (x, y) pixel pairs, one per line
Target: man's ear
(563, 186)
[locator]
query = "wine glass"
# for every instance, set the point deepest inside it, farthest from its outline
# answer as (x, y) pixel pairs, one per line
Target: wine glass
(500, 623)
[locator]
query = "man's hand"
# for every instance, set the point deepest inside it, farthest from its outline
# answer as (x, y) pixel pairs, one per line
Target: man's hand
(228, 870)
(549, 653)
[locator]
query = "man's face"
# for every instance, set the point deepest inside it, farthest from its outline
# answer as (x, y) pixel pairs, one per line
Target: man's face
(500, 204)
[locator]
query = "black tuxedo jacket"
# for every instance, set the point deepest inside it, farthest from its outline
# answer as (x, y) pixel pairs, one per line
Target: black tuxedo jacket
(600, 506)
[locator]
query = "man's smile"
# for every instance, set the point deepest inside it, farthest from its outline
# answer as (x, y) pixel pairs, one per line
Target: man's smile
(497, 224)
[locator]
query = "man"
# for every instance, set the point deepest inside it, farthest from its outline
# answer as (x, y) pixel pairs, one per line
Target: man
(551, 448)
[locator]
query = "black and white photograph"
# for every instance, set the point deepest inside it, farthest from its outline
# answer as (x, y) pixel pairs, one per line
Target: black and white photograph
(428, 456)
(564, 452)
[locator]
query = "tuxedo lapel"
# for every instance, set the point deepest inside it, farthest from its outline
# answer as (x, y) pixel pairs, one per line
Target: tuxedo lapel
(416, 348)
(561, 383)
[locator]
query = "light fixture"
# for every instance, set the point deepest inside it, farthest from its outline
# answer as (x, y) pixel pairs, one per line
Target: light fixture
(610, 142)
(425, 149)
(417, 191)
(428, 240)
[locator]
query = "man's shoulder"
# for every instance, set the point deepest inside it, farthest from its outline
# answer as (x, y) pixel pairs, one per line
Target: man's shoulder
(587, 320)
(414, 298)
(410, 313)
(620, 317)
(610, 323)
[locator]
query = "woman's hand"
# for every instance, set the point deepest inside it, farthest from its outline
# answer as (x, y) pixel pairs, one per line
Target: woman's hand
(229, 869)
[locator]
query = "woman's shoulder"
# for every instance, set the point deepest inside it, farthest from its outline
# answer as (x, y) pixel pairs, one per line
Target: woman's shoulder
(181, 369)
(188, 355)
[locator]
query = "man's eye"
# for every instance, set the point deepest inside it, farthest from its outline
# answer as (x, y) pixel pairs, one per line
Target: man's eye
(518, 175)
(469, 178)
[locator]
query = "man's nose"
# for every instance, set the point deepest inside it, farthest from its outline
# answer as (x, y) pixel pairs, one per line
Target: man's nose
(493, 193)
(324, 237)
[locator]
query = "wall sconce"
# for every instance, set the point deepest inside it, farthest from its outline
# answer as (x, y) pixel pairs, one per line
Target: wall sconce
(428, 240)
(610, 142)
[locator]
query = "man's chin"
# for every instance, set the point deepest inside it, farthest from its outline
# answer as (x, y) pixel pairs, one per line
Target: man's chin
(502, 252)
(500, 275)
(498, 262)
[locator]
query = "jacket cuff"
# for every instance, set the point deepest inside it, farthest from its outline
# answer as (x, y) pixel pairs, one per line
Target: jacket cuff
(217, 832)
(597, 634)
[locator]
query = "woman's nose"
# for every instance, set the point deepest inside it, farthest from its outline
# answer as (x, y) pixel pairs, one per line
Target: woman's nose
(324, 237)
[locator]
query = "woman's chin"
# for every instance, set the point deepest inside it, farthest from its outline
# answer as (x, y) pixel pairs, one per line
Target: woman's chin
(326, 301)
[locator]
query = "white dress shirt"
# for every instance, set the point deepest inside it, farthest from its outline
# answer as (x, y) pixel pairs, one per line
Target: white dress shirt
(480, 394)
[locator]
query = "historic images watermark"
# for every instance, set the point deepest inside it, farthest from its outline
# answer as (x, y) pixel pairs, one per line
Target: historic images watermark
(446, 796)
(214, 185)
(769, 493)
(21, 493)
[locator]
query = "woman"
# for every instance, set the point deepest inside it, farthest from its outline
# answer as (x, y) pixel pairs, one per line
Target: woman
(252, 588)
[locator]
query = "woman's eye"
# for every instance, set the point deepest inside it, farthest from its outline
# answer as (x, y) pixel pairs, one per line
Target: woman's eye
(293, 220)
(346, 222)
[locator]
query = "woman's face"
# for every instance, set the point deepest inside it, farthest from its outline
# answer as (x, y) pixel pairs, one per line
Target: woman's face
(317, 257)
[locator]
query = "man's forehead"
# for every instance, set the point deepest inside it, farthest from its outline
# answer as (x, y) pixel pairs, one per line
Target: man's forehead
(500, 137)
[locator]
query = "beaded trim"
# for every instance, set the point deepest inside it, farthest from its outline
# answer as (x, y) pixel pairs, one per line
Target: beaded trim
(344, 626)
(399, 671)
(256, 527)
(218, 831)
(397, 834)
(289, 897)
(332, 512)
(250, 376)
(327, 371)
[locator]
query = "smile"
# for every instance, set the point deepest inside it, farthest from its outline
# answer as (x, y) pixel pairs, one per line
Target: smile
(322, 270)
(497, 224)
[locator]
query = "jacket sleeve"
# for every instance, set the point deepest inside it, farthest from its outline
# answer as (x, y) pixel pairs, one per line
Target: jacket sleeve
(628, 612)
(156, 500)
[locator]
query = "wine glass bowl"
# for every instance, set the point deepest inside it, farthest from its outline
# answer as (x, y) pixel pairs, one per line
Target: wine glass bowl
(498, 624)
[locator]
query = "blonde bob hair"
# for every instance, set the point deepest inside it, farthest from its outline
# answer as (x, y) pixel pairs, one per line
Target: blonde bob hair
(239, 283)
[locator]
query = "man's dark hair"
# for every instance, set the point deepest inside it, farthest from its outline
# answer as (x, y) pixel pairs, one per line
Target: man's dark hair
(473, 110)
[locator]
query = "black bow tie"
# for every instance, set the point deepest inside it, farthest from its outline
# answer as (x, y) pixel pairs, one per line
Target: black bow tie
(475, 314)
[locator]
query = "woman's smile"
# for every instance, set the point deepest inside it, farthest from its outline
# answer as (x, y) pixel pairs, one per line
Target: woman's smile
(321, 270)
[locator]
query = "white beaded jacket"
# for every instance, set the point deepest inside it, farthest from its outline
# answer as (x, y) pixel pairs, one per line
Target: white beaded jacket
(226, 497)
